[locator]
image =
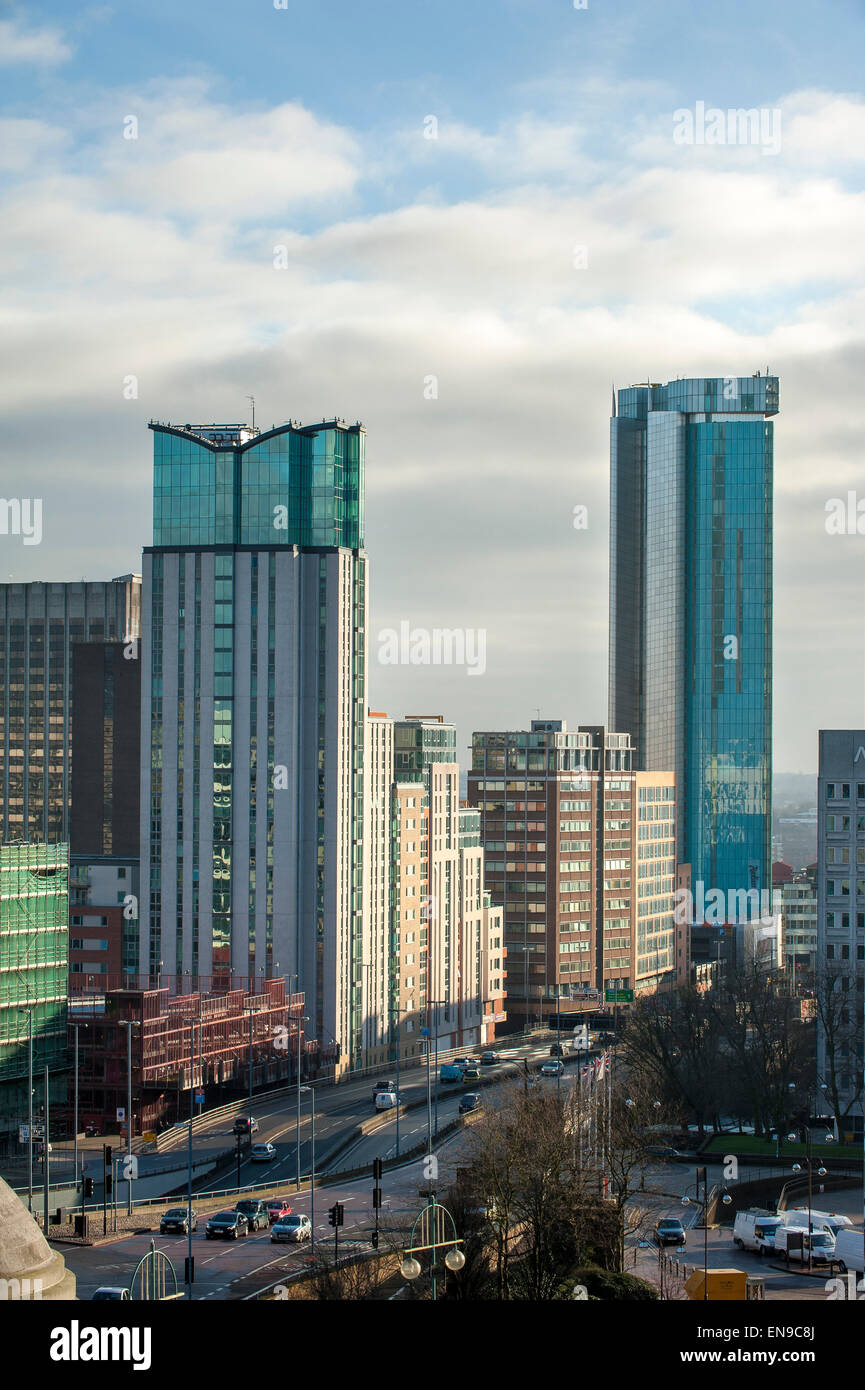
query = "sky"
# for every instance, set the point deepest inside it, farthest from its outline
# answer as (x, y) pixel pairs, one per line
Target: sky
(461, 223)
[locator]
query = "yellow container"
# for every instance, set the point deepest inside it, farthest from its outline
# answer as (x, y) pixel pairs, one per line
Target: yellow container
(724, 1284)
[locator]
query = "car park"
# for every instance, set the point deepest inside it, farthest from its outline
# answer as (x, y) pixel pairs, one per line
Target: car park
(277, 1208)
(469, 1102)
(255, 1211)
(669, 1231)
(177, 1219)
(262, 1153)
(229, 1225)
(291, 1228)
(245, 1124)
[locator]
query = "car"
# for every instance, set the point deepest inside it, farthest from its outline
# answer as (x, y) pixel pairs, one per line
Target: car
(177, 1219)
(277, 1208)
(383, 1087)
(552, 1068)
(470, 1101)
(291, 1228)
(472, 1072)
(385, 1100)
(490, 1059)
(230, 1225)
(92, 1129)
(557, 1050)
(669, 1231)
(461, 1062)
(245, 1124)
(109, 1292)
(450, 1072)
(255, 1212)
(662, 1151)
(262, 1153)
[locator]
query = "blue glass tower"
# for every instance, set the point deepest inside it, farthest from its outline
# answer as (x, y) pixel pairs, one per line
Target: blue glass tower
(691, 609)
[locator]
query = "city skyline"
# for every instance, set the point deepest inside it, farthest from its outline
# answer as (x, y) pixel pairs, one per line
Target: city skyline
(543, 247)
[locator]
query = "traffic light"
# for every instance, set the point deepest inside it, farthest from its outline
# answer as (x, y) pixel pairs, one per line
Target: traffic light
(109, 1184)
(88, 1187)
(376, 1198)
(336, 1214)
(377, 1169)
(374, 1239)
(106, 1155)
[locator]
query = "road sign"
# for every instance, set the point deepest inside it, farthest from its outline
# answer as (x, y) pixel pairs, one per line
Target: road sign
(121, 1113)
(199, 1097)
(619, 996)
(24, 1133)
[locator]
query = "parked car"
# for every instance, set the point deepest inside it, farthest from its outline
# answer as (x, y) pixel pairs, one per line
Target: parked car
(245, 1124)
(177, 1219)
(230, 1225)
(255, 1212)
(277, 1208)
(669, 1231)
(472, 1072)
(262, 1153)
(755, 1230)
(850, 1251)
(109, 1292)
(821, 1244)
(489, 1059)
(470, 1101)
(552, 1068)
(92, 1129)
(291, 1228)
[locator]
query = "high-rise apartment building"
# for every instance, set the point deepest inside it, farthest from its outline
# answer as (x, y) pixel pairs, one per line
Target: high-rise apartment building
(580, 853)
(691, 609)
(376, 982)
(253, 711)
(34, 908)
(42, 627)
(841, 913)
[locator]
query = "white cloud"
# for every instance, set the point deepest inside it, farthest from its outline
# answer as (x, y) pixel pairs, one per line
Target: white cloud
(21, 45)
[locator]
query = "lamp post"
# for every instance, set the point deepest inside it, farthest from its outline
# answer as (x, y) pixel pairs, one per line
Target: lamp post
(250, 1017)
(311, 1090)
(76, 1026)
(811, 1094)
(129, 1024)
(701, 1173)
(395, 1013)
(301, 1021)
(433, 1222)
(189, 1264)
(28, 1010)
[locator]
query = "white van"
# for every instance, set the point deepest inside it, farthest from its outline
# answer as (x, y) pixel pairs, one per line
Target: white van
(850, 1251)
(821, 1242)
(755, 1230)
(829, 1220)
(385, 1100)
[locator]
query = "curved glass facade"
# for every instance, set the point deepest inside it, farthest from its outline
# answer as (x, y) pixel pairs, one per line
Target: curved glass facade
(291, 486)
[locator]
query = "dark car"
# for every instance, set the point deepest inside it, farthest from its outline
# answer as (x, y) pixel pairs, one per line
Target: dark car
(177, 1220)
(227, 1224)
(490, 1059)
(255, 1212)
(669, 1231)
(557, 1050)
(245, 1124)
(470, 1101)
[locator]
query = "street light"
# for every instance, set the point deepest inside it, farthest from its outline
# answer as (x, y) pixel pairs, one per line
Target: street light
(311, 1090)
(702, 1172)
(28, 1010)
(797, 1167)
(304, 1018)
(76, 1026)
(189, 1264)
(129, 1024)
(433, 1220)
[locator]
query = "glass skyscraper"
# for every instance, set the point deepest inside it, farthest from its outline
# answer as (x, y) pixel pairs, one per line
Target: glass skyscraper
(253, 702)
(691, 609)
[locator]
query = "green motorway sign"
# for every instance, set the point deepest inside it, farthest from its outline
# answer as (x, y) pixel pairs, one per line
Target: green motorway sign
(619, 996)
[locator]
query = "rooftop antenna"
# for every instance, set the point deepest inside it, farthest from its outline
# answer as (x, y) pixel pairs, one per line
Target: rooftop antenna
(252, 398)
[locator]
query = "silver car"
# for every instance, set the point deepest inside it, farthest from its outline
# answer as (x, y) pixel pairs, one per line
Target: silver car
(292, 1228)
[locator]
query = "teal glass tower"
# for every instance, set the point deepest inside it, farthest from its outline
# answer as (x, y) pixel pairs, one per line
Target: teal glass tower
(253, 705)
(691, 609)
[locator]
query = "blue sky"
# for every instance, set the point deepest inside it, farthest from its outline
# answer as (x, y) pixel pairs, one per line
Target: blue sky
(405, 258)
